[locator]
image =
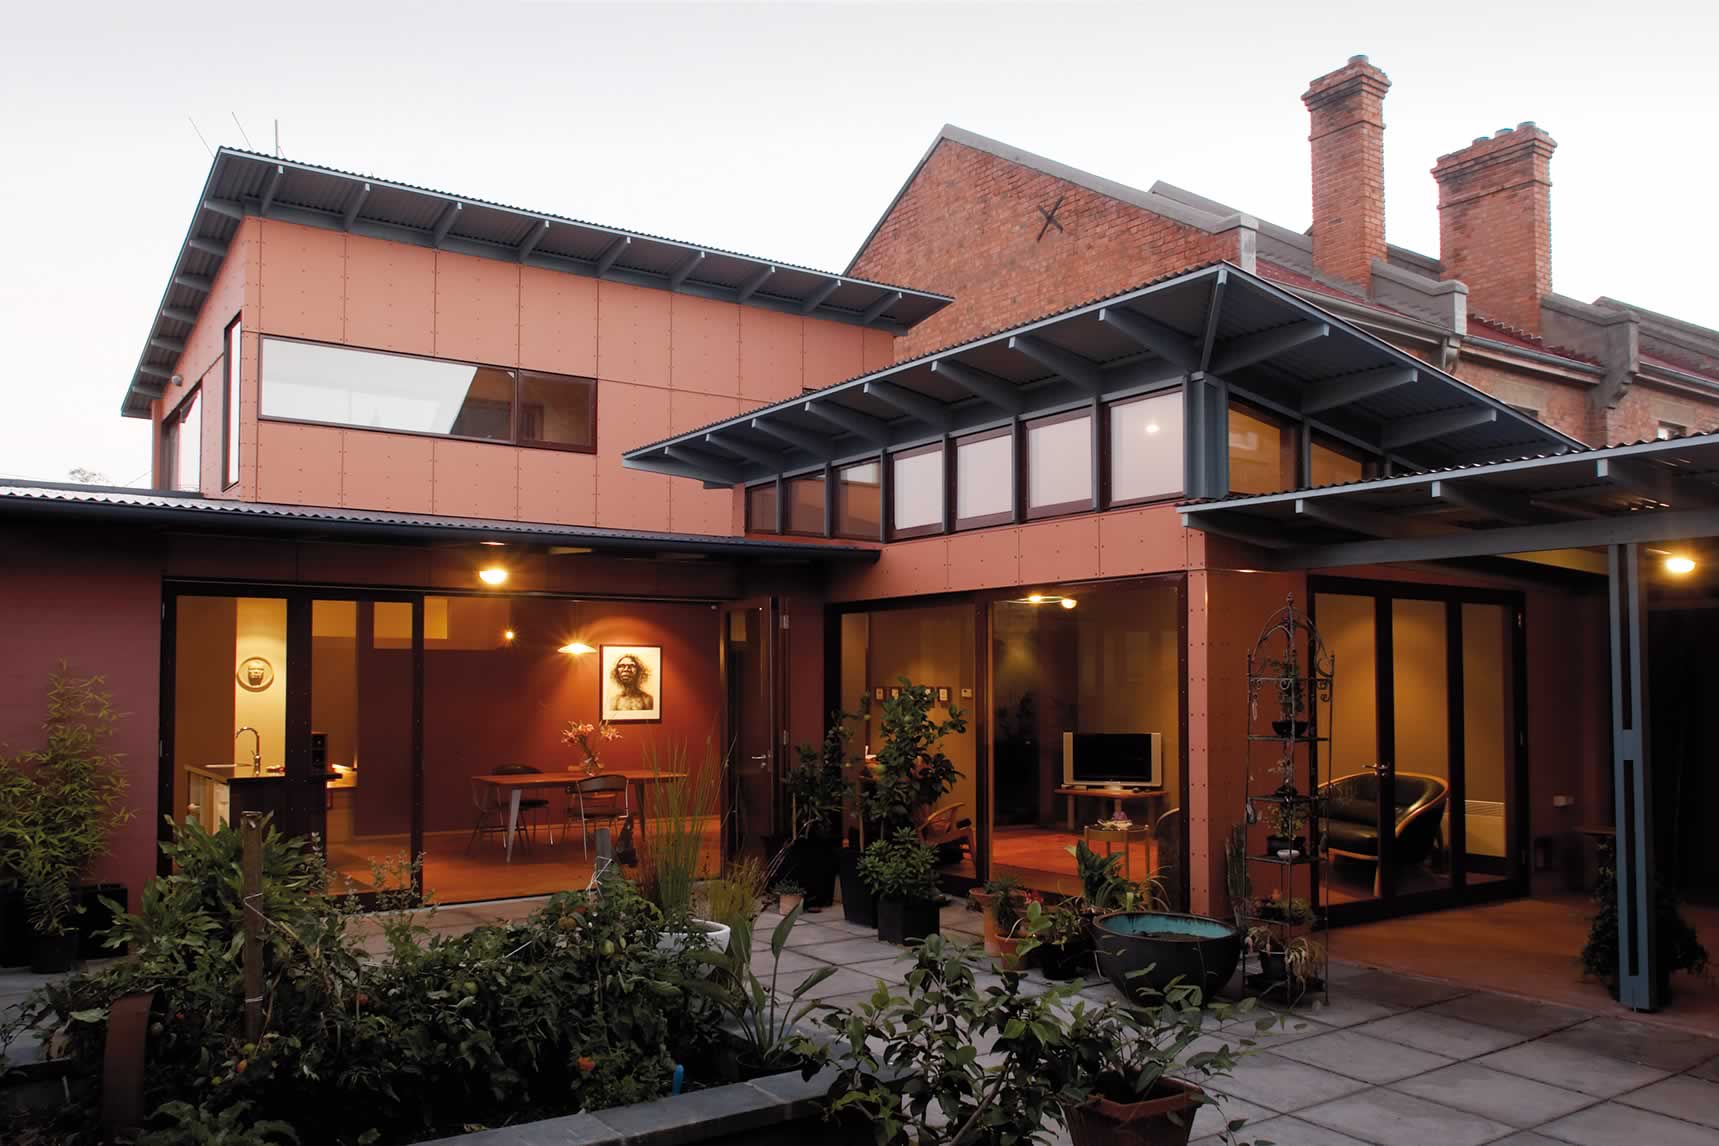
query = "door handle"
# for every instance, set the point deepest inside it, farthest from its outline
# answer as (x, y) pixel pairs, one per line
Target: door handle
(762, 760)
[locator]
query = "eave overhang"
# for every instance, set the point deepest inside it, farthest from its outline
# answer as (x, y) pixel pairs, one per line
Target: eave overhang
(1654, 491)
(242, 184)
(1258, 340)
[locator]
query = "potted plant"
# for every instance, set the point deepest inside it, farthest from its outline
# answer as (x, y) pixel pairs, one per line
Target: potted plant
(1000, 901)
(1285, 676)
(589, 738)
(790, 896)
(817, 794)
(763, 1022)
(1680, 947)
(1278, 909)
(1289, 821)
(1140, 1073)
(1290, 963)
(63, 802)
(1060, 936)
(682, 811)
(906, 1062)
(902, 872)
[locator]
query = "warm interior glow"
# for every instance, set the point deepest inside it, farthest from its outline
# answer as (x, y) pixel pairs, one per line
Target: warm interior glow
(1151, 427)
(1036, 599)
(494, 575)
(494, 543)
(576, 648)
(507, 636)
(1680, 565)
(1068, 602)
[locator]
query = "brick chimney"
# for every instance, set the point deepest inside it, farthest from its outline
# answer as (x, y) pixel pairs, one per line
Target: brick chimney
(1495, 222)
(1347, 108)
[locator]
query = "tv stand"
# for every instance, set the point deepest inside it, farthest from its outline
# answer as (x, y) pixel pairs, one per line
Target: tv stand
(1115, 793)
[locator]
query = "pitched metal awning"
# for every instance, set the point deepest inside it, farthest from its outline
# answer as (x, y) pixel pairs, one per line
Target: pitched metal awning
(242, 183)
(1643, 492)
(1216, 323)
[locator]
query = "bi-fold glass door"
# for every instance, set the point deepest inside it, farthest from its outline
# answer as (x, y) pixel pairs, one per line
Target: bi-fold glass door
(1425, 772)
(305, 705)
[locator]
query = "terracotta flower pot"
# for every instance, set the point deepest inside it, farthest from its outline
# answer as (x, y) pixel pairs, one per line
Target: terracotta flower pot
(1153, 1122)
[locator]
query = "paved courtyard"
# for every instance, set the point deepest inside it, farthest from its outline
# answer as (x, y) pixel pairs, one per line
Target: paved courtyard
(1394, 1060)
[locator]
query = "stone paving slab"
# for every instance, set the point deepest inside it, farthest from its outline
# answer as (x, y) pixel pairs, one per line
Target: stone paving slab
(1611, 1123)
(852, 950)
(1708, 1070)
(1389, 1116)
(1681, 1096)
(1400, 991)
(1287, 1131)
(1572, 1068)
(1440, 1034)
(1507, 1098)
(1529, 1018)
(1283, 1085)
(1654, 1046)
(1355, 1055)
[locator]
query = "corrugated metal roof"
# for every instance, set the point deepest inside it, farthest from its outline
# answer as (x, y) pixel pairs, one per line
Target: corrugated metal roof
(242, 183)
(187, 511)
(1092, 353)
(1573, 491)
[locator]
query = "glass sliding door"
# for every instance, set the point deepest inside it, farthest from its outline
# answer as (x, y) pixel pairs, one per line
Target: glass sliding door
(1425, 765)
(362, 740)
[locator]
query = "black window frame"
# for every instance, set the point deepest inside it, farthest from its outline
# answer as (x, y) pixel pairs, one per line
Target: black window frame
(833, 492)
(894, 532)
(516, 373)
(1061, 508)
(785, 500)
(232, 419)
(1107, 445)
(775, 523)
(952, 466)
(1371, 464)
(173, 425)
(1292, 431)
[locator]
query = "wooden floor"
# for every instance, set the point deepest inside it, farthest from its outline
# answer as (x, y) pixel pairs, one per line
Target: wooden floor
(458, 869)
(1525, 947)
(1040, 859)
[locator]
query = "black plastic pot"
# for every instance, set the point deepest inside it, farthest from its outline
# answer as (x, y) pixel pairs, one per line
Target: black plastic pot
(812, 863)
(54, 954)
(1142, 952)
(1070, 961)
(16, 938)
(859, 905)
(902, 920)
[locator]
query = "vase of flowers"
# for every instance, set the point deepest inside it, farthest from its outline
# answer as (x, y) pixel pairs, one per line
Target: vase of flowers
(587, 737)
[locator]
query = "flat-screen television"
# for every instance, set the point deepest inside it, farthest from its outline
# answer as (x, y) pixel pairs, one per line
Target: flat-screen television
(1113, 759)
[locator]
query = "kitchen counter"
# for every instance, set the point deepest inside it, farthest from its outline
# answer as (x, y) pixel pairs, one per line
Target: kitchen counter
(209, 788)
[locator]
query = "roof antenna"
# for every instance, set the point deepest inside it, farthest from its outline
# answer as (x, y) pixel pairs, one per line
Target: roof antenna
(200, 138)
(242, 133)
(277, 139)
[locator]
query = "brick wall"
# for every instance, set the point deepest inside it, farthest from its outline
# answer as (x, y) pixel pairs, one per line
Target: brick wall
(969, 226)
(1563, 406)
(1495, 223)
(1346, 110)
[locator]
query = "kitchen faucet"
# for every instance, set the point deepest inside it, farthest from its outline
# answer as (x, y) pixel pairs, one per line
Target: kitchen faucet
(256, 748)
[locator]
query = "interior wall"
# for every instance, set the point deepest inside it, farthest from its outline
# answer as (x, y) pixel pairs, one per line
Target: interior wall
(929, 646)
(334, 677)
(506, 703)
(260, 632)
(206, 631)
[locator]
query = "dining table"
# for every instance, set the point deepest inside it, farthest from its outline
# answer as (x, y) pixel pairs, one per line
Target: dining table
(515, 785)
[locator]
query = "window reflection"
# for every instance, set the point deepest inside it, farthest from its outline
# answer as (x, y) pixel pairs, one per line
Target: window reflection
(859, 501)
(1262, 453)
(1059, 464)
(984, 479)
(1146, 447)
(917, 493)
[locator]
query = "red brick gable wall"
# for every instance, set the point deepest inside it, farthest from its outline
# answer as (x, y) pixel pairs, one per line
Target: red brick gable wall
(968, 226)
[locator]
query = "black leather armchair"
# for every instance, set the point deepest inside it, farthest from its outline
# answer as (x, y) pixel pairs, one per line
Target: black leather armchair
(1352, 818)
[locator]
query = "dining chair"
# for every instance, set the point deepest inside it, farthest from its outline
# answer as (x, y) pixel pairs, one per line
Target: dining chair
(597, 798)
(528, 804)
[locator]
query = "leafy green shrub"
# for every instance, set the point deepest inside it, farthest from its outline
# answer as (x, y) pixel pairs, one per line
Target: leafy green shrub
(189, 1125)
(913, 773)
(681, 812)
(1680, 947)
(60, 803)
(901, 867)
(816, 785)
(576, 1008)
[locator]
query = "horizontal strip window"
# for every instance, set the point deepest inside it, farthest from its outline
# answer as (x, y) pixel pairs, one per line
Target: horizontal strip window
(1145, 448)
(1059, 464)
(985, 479)
(916, 496)
(1262, 452)
(805, 506)
(859, 501)
(1332, 463)
(374, 390)
(761, 503)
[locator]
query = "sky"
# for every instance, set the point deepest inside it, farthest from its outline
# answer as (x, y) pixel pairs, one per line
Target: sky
(784, 129)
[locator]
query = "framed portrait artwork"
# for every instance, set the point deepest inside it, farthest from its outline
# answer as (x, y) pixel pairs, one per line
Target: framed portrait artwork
(632, 690)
